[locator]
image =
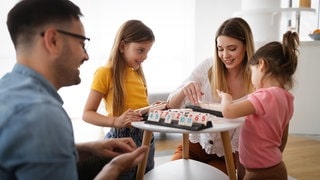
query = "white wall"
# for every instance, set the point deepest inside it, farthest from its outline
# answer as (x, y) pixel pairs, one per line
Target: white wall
(306, 118)
(7, 52)
(209, 15)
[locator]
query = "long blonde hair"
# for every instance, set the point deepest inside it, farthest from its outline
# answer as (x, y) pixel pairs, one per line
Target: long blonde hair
(130, 31)
(239, 29)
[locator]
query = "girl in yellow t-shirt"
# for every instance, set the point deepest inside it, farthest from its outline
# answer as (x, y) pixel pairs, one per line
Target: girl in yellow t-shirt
(122, 86)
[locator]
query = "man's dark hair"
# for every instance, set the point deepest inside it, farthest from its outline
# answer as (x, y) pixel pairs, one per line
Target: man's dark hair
(27, 17)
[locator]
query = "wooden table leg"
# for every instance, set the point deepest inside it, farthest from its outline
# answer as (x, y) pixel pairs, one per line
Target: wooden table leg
(185, 146)
(147, 136)
(228, 155)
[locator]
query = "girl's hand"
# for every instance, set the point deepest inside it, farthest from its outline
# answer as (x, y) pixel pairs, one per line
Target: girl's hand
(192, 91)
(225, 97)
(219, 93)
(126, 118)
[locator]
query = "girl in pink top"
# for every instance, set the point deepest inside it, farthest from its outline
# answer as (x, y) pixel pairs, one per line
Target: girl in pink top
(268, 110)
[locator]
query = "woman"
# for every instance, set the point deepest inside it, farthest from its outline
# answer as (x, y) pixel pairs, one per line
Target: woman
(228, 71)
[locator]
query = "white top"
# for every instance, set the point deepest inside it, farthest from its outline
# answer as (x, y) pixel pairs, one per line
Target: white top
(210, 142)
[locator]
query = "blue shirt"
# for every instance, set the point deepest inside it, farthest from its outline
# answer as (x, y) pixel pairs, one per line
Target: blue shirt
(36, 136)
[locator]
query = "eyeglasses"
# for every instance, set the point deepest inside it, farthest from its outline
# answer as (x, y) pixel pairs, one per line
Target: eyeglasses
(85, 39)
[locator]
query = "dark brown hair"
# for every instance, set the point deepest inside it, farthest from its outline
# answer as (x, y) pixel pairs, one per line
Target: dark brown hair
(281, 59)
(27, 17)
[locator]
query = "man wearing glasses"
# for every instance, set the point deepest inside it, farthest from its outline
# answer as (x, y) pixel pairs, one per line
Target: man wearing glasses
(36, 136)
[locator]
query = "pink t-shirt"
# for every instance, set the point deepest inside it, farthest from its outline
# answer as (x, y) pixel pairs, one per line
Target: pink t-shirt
(261, 133)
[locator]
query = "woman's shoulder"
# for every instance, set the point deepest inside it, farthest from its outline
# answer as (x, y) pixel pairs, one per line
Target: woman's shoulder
(202, 68)
(206, 64)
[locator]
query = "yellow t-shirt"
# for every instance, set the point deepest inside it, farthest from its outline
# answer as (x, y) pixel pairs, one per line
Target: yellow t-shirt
(135, 93)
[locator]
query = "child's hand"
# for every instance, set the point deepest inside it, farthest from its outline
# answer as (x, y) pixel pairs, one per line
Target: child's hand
(126, 118)
(159, 105)
(219, 93)
(225, 97)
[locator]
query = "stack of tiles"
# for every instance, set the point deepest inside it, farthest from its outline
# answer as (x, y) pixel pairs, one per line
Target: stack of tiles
(180, 118)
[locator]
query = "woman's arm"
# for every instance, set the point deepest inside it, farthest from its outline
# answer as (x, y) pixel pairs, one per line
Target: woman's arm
(191, 90)
(191, 87)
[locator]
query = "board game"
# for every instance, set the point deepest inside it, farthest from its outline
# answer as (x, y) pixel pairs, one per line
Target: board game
(191, 117)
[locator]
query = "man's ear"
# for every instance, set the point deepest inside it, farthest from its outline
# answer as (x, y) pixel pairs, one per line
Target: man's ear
(52, 41)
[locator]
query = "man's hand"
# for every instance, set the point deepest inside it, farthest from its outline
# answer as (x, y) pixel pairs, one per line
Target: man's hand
(106, 148)
(113, 147)
(122, 163)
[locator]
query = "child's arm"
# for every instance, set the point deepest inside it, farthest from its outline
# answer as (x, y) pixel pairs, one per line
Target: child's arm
(90, 112)
(91, 115)
(237, 109)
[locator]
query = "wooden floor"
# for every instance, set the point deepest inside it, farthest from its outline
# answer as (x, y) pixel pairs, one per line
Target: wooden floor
(301, 156)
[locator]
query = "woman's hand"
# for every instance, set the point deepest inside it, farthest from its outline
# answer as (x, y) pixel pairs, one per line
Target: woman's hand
(192, 91)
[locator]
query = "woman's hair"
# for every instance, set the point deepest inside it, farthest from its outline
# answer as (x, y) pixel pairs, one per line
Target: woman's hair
(129, 32)
(281, 59)
(239, 29)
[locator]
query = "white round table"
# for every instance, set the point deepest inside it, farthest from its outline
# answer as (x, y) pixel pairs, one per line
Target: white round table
(221, 125)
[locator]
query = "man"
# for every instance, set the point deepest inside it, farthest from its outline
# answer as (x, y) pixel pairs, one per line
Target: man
(36, 137)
